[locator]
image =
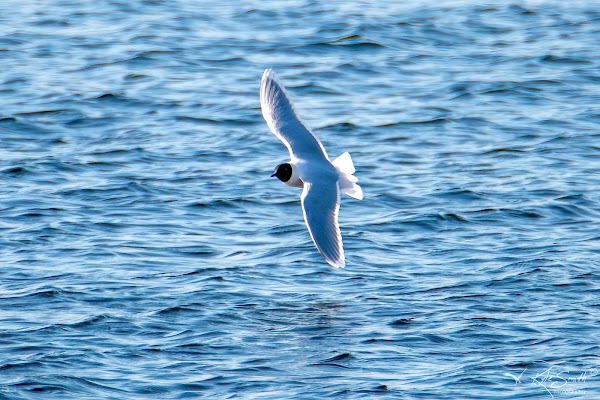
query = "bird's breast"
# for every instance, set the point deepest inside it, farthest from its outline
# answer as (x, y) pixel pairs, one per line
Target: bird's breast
(312, 171)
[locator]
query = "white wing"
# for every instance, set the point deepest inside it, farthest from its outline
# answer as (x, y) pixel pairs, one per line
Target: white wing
(320, 205)
(278, 111)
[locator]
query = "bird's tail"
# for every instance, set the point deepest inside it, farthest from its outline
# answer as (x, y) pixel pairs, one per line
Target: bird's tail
(348, 181)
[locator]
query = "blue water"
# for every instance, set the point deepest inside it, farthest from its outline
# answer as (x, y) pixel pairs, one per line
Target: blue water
(147, 254)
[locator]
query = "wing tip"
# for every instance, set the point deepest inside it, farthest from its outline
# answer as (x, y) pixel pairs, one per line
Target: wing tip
(270, 79)
(268, 84)
(335, 260)
(337, 263)
(269, 74)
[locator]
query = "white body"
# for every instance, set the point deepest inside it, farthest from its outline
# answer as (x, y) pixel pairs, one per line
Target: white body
(321, 180)
(343, 166)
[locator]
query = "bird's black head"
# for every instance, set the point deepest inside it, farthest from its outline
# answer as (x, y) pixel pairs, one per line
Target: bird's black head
(283, 172)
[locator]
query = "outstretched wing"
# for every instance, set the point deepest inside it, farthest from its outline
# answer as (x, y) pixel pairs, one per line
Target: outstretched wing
(320, 205)
(278, 111)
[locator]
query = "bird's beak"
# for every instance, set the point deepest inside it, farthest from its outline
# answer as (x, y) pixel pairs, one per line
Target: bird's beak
(272, 175)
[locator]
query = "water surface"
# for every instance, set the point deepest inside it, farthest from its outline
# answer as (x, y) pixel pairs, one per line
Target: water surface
(146, 252)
